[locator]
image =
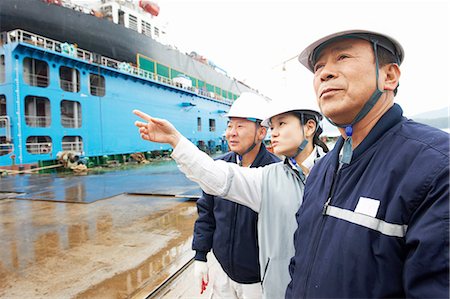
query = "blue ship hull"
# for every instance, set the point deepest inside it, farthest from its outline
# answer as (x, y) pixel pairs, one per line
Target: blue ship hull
(106, 122)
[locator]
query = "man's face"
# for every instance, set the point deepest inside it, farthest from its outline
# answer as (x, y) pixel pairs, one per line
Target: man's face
(240, 134)
(344, 78)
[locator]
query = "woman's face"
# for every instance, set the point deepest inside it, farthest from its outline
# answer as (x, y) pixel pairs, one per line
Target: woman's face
(286, 134)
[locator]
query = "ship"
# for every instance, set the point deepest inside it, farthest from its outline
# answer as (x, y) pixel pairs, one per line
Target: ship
(71, 75)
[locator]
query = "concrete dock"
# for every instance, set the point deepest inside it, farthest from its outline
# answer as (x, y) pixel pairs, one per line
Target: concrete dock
(107, 235)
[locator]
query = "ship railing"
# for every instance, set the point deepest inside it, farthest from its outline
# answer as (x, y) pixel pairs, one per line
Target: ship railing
(85, 55)
(6, 148)
(69, 85)
(39, 148)
(36, 80)
(110, 62)
(19, 35)
(204, 93)
(37, 121)
(143, 73)
(70, 122)
(27, 37)
(5, 123)
(97, 91)
(22, 36)
(165, 80)
(73, 146)
(190, 88)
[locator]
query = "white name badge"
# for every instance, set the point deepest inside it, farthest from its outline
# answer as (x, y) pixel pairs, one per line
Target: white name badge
(367, 206)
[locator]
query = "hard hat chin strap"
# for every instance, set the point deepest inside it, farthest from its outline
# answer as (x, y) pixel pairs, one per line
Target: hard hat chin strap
(303, 144)
(300, 149)
(348, 144)
(250, 148)
(246, 152)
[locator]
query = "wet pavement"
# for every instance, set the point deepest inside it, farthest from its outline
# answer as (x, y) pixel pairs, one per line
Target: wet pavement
(160, 178)
(105, 249)
(185, 286)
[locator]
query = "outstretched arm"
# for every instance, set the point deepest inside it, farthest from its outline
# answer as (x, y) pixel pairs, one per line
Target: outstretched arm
(228, 180)
(157, 130)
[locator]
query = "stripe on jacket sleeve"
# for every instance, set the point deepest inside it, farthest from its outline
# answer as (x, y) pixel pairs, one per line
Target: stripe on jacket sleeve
(386, 228)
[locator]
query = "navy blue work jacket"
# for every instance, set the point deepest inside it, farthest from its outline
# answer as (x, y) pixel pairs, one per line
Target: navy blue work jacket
(379, 226)
(230, 230)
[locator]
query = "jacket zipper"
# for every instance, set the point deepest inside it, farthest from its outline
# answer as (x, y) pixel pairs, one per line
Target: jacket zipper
(318, 235)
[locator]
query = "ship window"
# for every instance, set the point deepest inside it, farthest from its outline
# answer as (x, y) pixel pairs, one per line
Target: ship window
(2, 106)
(70, 114)
(132, 22)
(199, 124)
(72, 143)
(69, 79)
(37, 111)
(39, 144)
(121, 17)
(6, 146)
(146, 28)
(35, 72)
(97, 85)
(2, 68)
(156, 31)
(212, 125)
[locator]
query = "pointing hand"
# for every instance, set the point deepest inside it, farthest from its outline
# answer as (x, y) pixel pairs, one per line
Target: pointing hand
(157, 130)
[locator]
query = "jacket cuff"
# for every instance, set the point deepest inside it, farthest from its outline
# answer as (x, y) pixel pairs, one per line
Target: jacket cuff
(200, 256)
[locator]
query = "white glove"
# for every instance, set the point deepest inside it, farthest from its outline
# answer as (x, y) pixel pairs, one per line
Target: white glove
(201, 275)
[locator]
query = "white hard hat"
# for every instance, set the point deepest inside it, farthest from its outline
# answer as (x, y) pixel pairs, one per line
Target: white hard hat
(251, 106)
(308, 55)
(280, 107)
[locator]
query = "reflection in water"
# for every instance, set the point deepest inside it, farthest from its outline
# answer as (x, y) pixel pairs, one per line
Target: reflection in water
(136, 238)
(158, 266)
(46, 245)
(161, 178)
(14, 255)
(75, 193)
(104, 224)
(78, 234)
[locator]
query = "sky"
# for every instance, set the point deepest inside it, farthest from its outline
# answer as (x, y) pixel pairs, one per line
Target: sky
(253, 40)
(257, 41)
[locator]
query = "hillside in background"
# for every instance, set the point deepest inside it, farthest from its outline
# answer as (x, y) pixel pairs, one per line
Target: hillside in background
(436, 118)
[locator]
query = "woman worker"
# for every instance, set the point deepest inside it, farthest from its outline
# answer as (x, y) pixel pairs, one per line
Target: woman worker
(275, 191)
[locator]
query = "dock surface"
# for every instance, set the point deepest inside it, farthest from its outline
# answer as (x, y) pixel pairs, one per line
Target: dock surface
(96, 236)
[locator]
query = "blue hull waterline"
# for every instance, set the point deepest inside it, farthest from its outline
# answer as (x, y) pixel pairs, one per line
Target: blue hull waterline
(52, 101)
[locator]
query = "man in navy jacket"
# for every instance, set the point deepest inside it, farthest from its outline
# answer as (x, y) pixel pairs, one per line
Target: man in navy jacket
(375, 216)
(228, 228)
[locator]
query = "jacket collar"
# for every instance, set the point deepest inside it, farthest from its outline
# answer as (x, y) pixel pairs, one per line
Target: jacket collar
(391, 118)
(315, 155)
(258, 159)
(308, 163)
